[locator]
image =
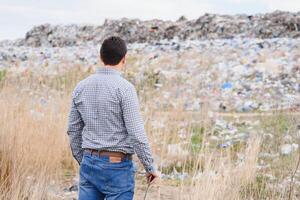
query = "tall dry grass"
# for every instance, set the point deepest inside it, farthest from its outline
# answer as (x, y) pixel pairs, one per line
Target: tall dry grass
(222, 179)
(33, 145)
(35, 153)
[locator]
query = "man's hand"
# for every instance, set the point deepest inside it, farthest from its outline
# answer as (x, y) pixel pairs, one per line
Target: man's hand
(152, 177)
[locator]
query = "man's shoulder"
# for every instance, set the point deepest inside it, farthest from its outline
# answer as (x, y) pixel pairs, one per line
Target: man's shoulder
(82, 84)
(127, 84)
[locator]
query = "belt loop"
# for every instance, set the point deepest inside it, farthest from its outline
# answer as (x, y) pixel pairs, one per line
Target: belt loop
(124, 158)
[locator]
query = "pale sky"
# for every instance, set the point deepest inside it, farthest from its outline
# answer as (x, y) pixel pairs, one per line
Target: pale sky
(19, 16)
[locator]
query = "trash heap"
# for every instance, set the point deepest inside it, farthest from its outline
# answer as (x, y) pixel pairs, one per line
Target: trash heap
(208, 26)
(227, 75)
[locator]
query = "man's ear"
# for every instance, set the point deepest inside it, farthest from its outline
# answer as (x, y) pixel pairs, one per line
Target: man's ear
(124, 60)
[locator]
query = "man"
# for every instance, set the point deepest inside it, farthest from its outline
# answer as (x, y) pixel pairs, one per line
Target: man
(106, 128)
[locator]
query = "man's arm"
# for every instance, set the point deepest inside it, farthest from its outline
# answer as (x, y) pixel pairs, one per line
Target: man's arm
(74, 131)
(135, 128)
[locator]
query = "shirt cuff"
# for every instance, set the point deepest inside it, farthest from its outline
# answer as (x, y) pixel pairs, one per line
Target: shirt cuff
(150, 169)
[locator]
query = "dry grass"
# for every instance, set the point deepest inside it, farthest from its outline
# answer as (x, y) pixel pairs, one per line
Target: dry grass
(228, 178)
(33, 145)
(35, 153)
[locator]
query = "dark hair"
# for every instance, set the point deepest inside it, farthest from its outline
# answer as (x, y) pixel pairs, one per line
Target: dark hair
(113, 50)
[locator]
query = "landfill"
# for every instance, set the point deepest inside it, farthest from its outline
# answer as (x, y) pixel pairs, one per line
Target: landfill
(207, 26)
(229, 75)
(219, 64)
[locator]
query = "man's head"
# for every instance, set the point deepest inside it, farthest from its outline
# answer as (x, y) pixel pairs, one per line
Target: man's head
(113, 51)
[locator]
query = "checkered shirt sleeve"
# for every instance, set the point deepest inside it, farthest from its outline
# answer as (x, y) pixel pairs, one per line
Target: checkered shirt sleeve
(75, 127)
(135, 127)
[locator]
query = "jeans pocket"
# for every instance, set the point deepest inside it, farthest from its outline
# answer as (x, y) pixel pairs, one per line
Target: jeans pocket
(118, 180)
(84, 173)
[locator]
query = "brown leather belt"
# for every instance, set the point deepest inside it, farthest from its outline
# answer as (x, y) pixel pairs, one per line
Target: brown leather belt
(109, 153)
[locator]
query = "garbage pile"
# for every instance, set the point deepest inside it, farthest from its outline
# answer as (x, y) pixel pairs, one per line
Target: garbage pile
(208, 26)
(241, 74)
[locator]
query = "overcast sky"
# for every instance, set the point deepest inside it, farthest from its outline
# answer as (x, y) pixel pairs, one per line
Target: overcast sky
(18, 16)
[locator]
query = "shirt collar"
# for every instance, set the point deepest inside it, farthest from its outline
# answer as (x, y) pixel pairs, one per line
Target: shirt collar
(107, 70)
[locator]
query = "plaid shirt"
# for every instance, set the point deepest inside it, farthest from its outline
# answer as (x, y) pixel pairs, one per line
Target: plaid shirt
(105, 115)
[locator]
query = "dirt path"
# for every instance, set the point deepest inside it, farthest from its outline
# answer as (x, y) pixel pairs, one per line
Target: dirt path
(159, 191)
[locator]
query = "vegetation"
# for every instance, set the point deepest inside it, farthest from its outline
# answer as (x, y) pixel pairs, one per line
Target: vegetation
(35, 156)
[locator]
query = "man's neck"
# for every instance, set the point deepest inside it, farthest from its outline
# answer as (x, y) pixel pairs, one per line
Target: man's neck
(116, 67)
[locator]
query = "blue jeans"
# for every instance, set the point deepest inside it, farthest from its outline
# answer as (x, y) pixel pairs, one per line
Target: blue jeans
(100, 179)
